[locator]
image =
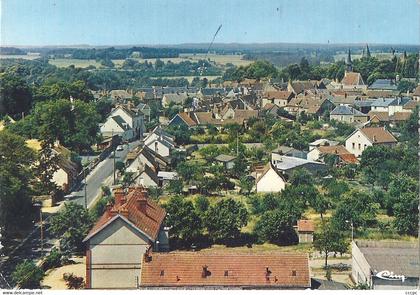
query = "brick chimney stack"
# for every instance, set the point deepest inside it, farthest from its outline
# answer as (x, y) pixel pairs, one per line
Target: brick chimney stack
(142, 205)
(108, 207)
(119, 195)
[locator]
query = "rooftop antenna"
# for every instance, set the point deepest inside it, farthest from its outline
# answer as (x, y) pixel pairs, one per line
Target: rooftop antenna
(208, 50)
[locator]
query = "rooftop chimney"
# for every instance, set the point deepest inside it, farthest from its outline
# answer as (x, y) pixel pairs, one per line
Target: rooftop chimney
(119, 195)
(205, 273)
(142, 205)
(108, 207)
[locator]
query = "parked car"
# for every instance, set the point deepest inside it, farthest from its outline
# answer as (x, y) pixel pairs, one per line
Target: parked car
(120, 148)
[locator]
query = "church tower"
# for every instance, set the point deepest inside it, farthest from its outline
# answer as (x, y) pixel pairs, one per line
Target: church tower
(349, 63)
(367, 51)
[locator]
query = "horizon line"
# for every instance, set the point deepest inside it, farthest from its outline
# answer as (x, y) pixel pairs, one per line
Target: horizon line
(206, 43)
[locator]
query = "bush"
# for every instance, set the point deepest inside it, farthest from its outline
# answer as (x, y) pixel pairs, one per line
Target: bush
(100, 206)
(73, 281)
(53, 260)
(201, 204)
(27, 275)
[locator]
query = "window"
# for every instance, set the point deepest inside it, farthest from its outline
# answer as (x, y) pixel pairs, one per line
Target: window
(162, 273)
(293, 273)
(354, 145)
(226, 273)
(360, 146)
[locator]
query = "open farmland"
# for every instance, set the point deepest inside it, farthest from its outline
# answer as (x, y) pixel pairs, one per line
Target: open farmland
(217, 58)
(29, 57)
(78, 63)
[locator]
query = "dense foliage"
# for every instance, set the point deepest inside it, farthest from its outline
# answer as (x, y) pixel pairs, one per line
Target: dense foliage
(16, 175)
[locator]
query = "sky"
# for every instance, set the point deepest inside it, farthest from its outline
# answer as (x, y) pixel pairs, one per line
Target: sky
(151, 22)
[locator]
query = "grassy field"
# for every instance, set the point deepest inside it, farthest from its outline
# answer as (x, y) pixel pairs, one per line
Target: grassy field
(78, 63)
(219, 59)
(30, 57)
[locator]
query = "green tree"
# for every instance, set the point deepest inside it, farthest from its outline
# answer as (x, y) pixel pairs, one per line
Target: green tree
(239, 166)
(120, 166)
(15, 95)
(175, 186)
(407, 213)
(246, 184)
(201, 204)
(27, 275)
(277, 227)
(73, 125)
(72, 224)
(404, 86)
(16, 176)
(155, 192)
(47, 166)
(225, 219)
(53, 90)
(182, 218)
(356, 207)
(329, 239)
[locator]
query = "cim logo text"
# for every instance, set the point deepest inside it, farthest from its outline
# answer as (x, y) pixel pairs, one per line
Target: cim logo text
(390, 276)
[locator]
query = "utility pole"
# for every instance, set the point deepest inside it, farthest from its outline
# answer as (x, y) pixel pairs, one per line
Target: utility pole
(84, 175)
(39, 205)
(113, 157)
(42, 230)
(237, 144)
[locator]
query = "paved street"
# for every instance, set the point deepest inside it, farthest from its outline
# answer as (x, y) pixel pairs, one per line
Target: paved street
(100, 174)
(31, 248)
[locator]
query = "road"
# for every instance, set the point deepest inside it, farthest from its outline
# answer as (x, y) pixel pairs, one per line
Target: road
(30, 248)
(103, 173)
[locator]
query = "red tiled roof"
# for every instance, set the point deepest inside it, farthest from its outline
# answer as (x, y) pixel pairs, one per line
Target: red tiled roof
(278, 94)
(180, 269)
(187, 119)
(349, 158)
(352, 79)
(335, 149)
(305, 225)
(378, 135)
(382, 116)
(149, 222)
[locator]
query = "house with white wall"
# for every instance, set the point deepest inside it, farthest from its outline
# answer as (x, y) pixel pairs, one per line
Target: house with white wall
(363, 138)
(270, 180)
(160, 142)
(133, 117)
(122, 236)
(116, 125)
